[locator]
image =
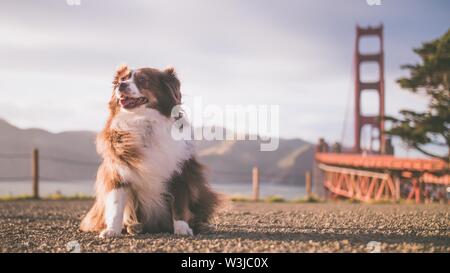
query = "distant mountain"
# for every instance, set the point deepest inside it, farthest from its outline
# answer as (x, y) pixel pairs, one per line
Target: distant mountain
(71, 156)
(77, 146)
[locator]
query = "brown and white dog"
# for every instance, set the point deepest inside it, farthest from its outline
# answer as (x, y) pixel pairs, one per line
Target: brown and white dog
(148, 181)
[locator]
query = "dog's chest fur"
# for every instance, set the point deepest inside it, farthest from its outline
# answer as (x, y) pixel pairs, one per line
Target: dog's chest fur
(160, 156)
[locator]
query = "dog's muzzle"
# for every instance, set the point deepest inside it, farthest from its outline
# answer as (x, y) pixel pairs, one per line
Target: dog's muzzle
(130, 103)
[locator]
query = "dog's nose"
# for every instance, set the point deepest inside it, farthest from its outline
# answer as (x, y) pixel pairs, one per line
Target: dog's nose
(123, 86)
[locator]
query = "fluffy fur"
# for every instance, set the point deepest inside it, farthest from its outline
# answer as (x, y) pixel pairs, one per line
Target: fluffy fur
(147, 182)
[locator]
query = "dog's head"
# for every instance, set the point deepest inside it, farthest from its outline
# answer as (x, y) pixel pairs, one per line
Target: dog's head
(147, 87)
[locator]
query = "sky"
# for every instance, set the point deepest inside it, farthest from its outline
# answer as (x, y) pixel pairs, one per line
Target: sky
(58, 59)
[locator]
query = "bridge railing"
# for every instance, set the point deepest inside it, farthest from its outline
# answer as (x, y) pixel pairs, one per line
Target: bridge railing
(383, 178)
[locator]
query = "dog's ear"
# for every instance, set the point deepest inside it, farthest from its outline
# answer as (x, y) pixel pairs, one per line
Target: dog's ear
(172, 85)
(121, 71)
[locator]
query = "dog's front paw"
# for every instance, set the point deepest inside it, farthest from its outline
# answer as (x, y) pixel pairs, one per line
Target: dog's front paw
(135, 229)
(109, 233)
(182, 228)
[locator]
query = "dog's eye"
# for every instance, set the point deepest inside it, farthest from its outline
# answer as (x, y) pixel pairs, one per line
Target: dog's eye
(140, 79)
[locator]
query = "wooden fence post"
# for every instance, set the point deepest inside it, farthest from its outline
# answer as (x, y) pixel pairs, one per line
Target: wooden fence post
(421, 190)
(255, 180)
(308, 184)
(397, 189)
(35, 173)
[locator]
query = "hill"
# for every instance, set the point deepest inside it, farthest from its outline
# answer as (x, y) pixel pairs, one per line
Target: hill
(71, 155)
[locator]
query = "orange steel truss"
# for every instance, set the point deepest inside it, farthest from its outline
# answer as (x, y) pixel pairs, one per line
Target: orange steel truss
(382, 162)
(360, 185)
(380, 177)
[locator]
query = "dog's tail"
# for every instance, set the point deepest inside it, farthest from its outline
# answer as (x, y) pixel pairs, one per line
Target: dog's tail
(94, 219)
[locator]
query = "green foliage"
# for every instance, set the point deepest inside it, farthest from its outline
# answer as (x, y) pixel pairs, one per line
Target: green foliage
(10, 197)
(430, 77)
(275, 199)
(53, 196)
(311, 199)
(240, 198)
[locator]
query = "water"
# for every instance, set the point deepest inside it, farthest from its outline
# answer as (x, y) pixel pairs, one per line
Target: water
(265, 190)
(87, 188)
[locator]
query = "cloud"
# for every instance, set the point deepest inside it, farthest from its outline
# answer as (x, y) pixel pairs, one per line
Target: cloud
(58, 60)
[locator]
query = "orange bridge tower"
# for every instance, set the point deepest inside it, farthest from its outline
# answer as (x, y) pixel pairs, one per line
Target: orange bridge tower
(376, 122)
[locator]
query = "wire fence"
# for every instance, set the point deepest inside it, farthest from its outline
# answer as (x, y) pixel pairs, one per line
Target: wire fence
(42, 158)
(239, 175)
(254, 176)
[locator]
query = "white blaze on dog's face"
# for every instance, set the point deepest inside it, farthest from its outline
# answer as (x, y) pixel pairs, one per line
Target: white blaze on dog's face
(158, 89)
(128, 86)
(128, 93)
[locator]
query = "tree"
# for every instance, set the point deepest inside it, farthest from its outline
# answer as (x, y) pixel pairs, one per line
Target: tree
(431, 77)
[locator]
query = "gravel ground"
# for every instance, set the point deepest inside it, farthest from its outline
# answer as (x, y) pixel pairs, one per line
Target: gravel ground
(50, 226)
